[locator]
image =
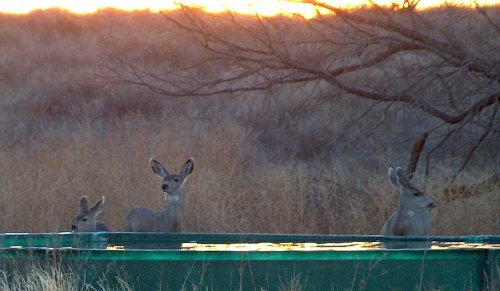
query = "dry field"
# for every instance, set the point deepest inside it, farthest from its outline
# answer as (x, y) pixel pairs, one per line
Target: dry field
(66, 130)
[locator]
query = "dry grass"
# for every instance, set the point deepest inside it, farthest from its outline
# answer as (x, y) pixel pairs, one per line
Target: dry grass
(233, 189)
(64, 133)
(50, 278)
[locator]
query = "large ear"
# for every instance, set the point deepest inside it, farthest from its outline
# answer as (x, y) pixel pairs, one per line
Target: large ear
(97, 208)
(84, 204)
(402, 177)
(158, 168)
(187, 169)
(393, 177)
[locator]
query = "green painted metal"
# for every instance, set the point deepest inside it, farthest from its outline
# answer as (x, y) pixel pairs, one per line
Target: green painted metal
(99, 240)
(154, 261)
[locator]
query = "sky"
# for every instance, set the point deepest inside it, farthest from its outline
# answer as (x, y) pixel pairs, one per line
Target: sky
(262, 7)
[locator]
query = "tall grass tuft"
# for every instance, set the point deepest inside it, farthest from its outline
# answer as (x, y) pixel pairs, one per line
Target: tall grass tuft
(51, 278)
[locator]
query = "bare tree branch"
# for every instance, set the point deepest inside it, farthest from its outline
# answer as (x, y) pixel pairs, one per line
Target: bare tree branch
(418, 147)
(374, 56)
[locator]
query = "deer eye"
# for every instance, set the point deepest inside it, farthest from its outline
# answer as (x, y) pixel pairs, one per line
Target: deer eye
(85, 219)
(176, 180)
(417, 194)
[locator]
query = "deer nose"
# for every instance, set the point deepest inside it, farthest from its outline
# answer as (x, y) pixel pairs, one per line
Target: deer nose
(73, 227)
(164, 187)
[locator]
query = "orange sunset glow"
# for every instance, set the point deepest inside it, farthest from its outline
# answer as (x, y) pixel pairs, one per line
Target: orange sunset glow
(261, 7)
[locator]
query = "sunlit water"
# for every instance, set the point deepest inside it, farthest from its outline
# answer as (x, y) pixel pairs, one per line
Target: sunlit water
(282, 247)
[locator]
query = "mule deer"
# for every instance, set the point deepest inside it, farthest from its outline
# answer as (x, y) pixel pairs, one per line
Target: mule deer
(141, 219)
(86, 221)
(413, 215)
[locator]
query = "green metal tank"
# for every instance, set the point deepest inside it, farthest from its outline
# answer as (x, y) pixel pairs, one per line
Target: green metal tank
(157, 261)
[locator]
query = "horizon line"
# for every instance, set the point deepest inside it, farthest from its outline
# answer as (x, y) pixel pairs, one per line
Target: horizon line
(311, 12)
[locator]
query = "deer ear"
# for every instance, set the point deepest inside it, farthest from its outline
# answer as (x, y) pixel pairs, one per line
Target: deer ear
(402, 177)
(84, 204)
(393, 177)
(187, 169)
(158, 168)
(97, 208)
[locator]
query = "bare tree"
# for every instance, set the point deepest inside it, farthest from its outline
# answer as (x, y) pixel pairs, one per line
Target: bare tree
(441, 65)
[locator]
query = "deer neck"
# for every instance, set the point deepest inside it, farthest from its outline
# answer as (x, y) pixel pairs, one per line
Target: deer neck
(412, 221)
(407, 210)
(173, 203)
(171, 215)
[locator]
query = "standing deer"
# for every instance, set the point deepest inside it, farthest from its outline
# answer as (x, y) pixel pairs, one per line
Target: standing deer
(86, 221)
(413, 215)
(141, 219)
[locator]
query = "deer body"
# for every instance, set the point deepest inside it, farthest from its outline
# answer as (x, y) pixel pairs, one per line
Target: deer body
(101, 226)
(406, 223)
(86, 221)
(141, 219)
(146, 220)
(413, 214)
